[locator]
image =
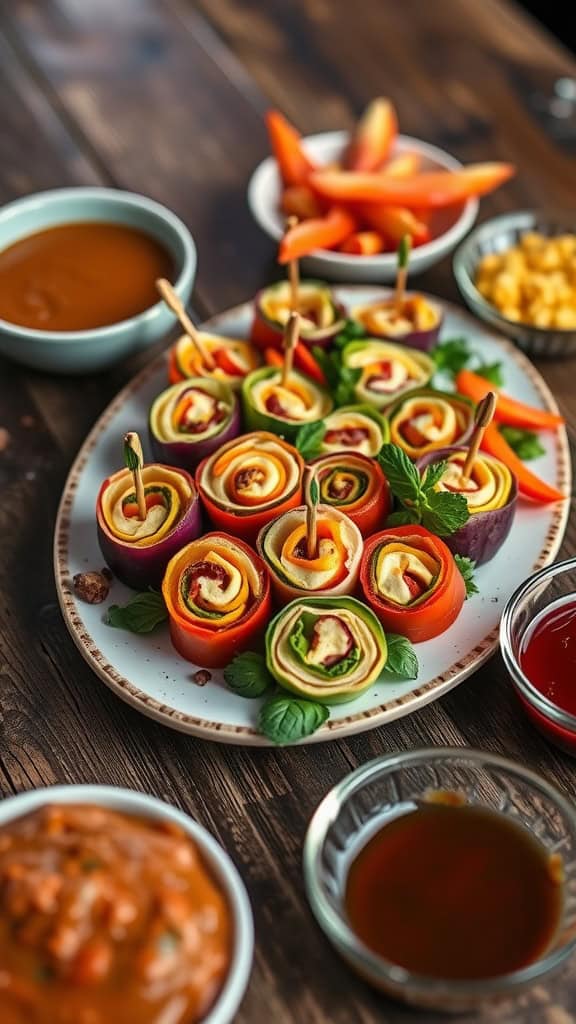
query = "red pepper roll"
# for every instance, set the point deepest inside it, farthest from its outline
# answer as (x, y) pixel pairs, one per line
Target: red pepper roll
(356, 485)
(411, 582)
(217, 592)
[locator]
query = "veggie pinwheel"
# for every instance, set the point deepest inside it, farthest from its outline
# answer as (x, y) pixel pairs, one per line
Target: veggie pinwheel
(234, 359)
(139, 549)
(331, 569)
(191, 419)
(491, 493)
(358, 428)
(217, 593)
(411, 582)
(326, 649)
(356, 485)
(387, 371)
(272, 402)
(321, 317)
(427, 420)
(415, 321)
(250, 481)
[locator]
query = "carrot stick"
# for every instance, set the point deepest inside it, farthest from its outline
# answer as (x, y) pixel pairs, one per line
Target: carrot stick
(318, 233)
(508, 410)
(364, 243)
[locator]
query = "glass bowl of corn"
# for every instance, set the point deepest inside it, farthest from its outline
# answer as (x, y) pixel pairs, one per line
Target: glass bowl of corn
(518, 272)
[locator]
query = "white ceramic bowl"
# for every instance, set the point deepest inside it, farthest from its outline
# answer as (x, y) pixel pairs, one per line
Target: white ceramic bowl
(79, 352)
(448, 226)
(128, 802)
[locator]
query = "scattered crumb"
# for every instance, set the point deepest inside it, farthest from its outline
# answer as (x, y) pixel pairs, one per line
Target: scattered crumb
(107, 574)
(202, 676)
(27, 421)
(92, 587)
(4, 439)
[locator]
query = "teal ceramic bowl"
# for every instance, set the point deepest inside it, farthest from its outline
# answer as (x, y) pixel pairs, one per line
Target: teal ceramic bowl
(78, 352)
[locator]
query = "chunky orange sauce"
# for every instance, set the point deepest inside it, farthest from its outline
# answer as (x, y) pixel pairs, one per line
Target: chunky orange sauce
(107, 919)
(77, 277)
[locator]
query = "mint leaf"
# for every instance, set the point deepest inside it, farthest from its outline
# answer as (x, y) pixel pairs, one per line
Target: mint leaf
(330, 363)
(403, 517)
(444, 512)
(491, 372)
(247, 675)
(141, 615)
(351, 331)
(401, 474)
(345, 391)
(466, 569)
(433, 474)
(285, 719)
(309, 439)
(402, 660)
(452, 355)
(525, 443)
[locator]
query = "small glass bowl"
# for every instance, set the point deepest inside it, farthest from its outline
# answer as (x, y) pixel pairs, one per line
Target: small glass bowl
(497, 235)
(362, 802)
(530, 599)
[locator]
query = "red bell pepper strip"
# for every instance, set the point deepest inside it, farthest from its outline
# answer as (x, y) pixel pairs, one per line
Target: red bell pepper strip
(530, 485)
(294, 163)
(437, 608)
(318, 233)
(364, 243)
(508, 410)
(394, 222)
(300, 201)
(373, 138)
(303, 360)
(428, 190)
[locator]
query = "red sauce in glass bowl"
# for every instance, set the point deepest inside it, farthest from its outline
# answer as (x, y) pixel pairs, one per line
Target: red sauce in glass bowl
(547, 658)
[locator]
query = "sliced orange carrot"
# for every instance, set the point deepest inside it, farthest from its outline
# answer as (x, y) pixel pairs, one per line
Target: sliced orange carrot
(294, 163)
(319, 233)
(300, 201)
(393, 222)
(305, 361)
(373, 138)
(364, 243)
(273, 357)
(429, 190)
(508, 410)
(530, 485)
(402, 166)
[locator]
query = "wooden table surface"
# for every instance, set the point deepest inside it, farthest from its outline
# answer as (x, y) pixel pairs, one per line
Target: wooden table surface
(166, 97)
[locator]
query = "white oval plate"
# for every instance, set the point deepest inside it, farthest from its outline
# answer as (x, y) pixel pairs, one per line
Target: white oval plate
(146, 671)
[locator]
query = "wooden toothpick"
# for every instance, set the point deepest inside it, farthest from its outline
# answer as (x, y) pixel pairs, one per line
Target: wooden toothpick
(311, 497)
(134, 460)
(402, 272)
(291, 332)
(173, 302)
(483, 418)
(293, 272)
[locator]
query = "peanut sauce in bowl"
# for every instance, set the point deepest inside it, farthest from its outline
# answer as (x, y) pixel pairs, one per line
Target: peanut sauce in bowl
(114, 912)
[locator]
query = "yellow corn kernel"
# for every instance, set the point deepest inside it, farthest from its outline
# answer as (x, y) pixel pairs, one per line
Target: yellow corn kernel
(489, 263)
(565, 317)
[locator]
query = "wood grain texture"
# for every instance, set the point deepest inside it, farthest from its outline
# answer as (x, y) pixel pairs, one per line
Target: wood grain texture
(167, 98)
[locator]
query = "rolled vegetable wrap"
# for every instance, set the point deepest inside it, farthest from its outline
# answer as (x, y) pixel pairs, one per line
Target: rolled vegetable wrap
(334, 568)
(415, 322)
(321, 317)
(356, 428)
(428, 420)
(268, 404)
(356, 485)
(326, 649)
(191, 419)
(491, 492)
(234, 359)
(411, 582)
(250, 481)
(217, 593)
(136, 550)
(387, 370)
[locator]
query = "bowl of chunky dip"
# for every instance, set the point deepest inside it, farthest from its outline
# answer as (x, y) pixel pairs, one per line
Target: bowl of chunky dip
(116, 908)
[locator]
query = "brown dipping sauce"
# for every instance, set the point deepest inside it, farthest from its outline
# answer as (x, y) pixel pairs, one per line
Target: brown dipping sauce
(454, 891)
(107, 918)
(76, 277)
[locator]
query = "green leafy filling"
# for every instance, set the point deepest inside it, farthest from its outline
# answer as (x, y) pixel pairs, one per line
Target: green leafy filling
(300, 641)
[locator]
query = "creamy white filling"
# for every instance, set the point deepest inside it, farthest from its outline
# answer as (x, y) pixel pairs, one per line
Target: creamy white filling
(290, 400)
(390, 575)
(367, 665)
(395, 377)
(211, 591)
(331, 640)
(136, 528)
(369, 445)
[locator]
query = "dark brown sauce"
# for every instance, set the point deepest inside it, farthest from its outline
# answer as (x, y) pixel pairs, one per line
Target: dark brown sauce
(455, 892)
(77, 277)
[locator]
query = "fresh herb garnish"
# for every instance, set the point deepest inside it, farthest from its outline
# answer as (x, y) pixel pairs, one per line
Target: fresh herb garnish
(452, 355)
(309, 439)
(284, 719)
(341, 379)
(466, 568)
(525, 443)
(441, 512)
(402, 660)
(142, 614)
(491, 372)
(351, 331)
(247, 675)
